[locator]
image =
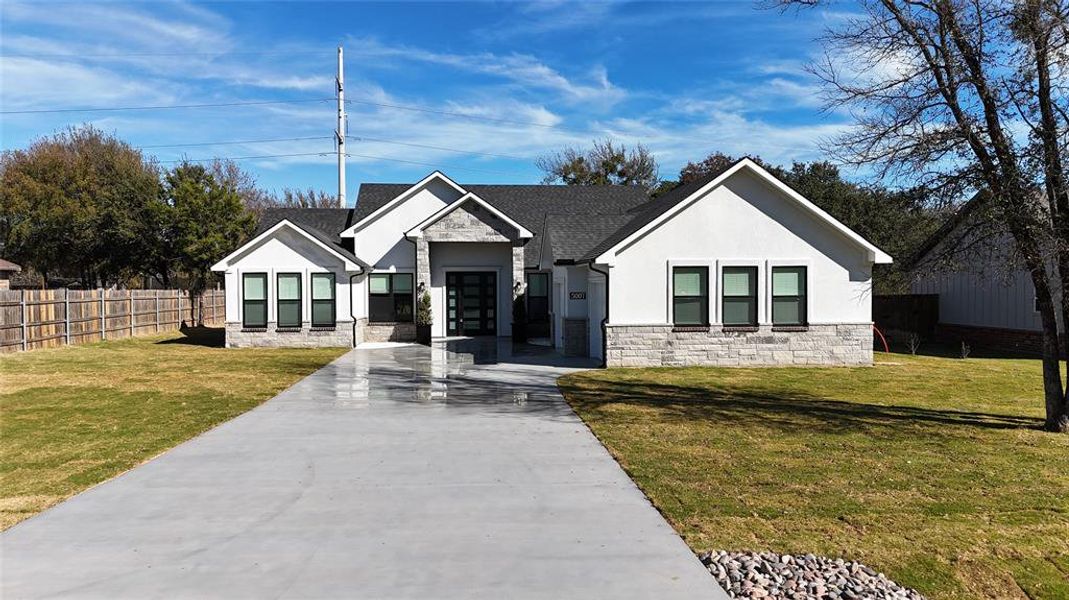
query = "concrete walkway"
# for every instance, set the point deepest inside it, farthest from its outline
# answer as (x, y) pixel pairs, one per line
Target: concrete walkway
(402, 472)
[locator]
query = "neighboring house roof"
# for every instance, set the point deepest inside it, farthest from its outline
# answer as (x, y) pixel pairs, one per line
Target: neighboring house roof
(528, 205)
(663, 208)
(7, 265)
(958, 217)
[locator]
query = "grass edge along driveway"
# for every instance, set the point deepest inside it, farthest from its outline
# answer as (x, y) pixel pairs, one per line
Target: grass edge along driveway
(75, 416)
(932, 470)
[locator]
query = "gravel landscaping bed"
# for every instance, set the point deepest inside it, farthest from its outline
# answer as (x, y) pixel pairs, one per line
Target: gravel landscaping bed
(800, 577)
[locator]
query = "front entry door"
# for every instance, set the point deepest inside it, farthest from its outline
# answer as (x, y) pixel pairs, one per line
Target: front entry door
(471, 303)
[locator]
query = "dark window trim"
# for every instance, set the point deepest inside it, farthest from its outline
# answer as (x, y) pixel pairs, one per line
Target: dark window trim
(704, 269)
(409, 297)
(245, 324)
(753, 323)
(803, 298)
(278, 303)
(332, 300)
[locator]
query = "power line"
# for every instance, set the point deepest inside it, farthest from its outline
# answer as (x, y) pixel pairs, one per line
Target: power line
(160, 107)
(231, 142)
(442, 148)
(359, 138)
(330, 154)
(185, 160)
(434, 111)
(163, 54)
(436, 166)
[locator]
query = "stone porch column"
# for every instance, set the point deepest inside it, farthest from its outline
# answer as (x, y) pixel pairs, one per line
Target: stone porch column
(517, 270)
(423, 263)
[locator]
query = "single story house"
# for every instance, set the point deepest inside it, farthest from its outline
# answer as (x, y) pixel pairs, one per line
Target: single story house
(737, 269)
(985, 295)
(7, 269)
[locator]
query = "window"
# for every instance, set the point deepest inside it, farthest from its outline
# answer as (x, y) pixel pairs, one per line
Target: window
(740, 296)
(288, 293)
(690, 295)
(391, 298)
(323, 300)
(537, 297)
(788, 296)
(254, 300)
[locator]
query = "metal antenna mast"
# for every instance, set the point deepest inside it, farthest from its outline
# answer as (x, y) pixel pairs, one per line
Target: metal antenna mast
(340, 131)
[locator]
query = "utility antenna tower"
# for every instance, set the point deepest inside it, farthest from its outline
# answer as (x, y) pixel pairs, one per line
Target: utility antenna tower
(339, 133)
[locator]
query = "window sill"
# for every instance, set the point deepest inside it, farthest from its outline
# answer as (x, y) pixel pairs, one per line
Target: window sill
(322, 328)
(288, 329)
(689, 328)
(789, 328)
(740, 328)
(254, 330)
(391, 323)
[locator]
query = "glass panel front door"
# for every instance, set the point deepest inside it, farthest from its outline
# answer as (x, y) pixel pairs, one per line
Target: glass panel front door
(471, 304)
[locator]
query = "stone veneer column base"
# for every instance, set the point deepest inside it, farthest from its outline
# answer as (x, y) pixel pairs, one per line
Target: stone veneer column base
(306, 337)
(664, 345)
(390, 332)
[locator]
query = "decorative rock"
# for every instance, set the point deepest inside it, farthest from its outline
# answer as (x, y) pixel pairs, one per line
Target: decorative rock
(771, 576)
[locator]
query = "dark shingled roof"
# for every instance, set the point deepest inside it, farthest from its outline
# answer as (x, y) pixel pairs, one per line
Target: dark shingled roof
(324, 224)
(570, 238)
(531, 205)
(573, 221)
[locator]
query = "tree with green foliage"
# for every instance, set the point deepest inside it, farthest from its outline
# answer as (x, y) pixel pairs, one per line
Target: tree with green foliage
(73, 205)
(715, 164)
(206, 218)
(605, 163)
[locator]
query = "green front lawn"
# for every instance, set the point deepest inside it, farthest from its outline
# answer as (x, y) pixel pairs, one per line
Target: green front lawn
(73, 417)
(932, 470)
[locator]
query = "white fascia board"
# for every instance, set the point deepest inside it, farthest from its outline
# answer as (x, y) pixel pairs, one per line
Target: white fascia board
(224, 264)
(873, 253)
(385, 208)
(417, 231)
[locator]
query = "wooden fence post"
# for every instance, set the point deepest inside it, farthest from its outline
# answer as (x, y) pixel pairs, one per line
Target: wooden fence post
(25, 321)
(103, 315)
(67, 316)
(130, 303)
(157, 311)
(178, 318)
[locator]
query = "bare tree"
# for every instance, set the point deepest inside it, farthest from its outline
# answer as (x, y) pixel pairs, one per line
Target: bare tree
(228, 173)
(964, 96)
(310, 198)
(605, 163)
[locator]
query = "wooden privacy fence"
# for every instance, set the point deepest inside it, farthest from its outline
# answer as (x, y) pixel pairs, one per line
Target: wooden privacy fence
(31, 319)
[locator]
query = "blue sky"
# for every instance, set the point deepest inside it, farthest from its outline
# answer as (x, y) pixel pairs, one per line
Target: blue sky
(684, 79)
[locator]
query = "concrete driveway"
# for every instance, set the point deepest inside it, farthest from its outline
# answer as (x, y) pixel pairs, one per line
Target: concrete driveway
(405, 472)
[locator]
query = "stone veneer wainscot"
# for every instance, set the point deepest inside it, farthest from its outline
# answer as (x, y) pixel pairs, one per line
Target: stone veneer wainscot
(238, 336)
(668, 346)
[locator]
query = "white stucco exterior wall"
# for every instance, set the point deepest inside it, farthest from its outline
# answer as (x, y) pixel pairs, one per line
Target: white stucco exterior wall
(288, 251)
(381, 243)
(745, 221)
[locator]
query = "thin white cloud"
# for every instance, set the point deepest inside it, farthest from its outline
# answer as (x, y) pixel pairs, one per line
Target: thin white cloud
(31, 83)
(523, 70)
